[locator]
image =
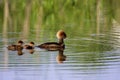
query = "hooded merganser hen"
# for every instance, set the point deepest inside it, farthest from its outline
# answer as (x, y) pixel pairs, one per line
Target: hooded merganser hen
(16, 47)
(61, 35)
(30, 45)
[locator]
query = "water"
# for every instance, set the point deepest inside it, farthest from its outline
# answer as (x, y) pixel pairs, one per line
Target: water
(92, 45)
(89, 57)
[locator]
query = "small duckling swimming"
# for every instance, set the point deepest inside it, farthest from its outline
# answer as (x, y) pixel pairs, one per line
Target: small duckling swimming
(16, 47)
(30, 45)
(61, 35)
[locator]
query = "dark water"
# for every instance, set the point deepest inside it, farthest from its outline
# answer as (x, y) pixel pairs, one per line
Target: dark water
(92, 45)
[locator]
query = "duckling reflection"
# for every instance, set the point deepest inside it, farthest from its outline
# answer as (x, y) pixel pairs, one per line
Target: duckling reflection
(20, 52)
(16, 47)
(61, 35)
(31, 51)
(30, 47)
(19, 49)
(60, 57)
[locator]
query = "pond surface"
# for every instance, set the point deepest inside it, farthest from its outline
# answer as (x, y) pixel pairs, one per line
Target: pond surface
(88, 57)
(92, 46)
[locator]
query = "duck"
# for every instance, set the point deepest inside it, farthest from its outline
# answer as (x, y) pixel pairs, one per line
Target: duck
(29, 46)
(61, 35)
(18, 46)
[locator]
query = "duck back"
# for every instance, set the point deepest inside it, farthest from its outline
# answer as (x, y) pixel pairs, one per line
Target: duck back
(51, 45)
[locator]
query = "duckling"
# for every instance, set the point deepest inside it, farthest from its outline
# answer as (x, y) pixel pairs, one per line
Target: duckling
(30, 45)
(61, 35)
(16, 47)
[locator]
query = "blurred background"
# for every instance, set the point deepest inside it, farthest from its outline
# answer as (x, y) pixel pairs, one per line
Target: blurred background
(32, 19)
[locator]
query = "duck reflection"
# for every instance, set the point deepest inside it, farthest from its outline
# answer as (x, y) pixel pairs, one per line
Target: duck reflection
(31, 51)
(60, 57)
(20, 52)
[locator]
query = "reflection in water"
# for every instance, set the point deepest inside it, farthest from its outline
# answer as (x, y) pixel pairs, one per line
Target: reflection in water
(26, 25)
(116, 33)
(4, 31)
(31, 51)
(60, 57)
(20, 52)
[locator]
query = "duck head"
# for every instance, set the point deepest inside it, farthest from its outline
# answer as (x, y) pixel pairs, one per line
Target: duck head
(20, 42)
(61, 35)
(31, 44)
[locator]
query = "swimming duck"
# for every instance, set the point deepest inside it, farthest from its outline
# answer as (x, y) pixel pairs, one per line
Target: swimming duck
(16, 47)
(30, 45)
(61, 35)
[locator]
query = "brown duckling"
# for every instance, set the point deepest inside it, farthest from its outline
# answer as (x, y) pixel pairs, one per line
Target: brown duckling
(16, 47)
(30, 45)
(61, 35)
